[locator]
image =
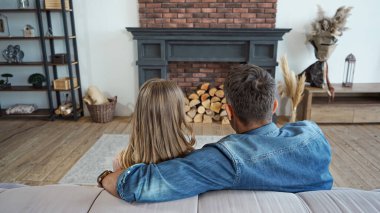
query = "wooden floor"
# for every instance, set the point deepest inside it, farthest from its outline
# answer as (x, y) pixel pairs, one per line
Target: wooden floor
(39, 152)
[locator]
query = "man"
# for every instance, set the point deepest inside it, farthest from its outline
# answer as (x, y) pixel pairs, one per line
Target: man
(260, 156)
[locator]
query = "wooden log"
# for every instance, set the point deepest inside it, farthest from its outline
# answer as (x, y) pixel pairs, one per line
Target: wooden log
(187, 108)
(216, 107)
(215, 99)
(223, 113)
(188, 119)
(210, 112)
(193, 96)
(194, 103)
(206, 104)
(216, 117)
(186, 101)
(212, 91)
(224, 100)
(219, 93)
(198, 118)
(221, 86)
(192, 113)
(205, 86)
(205, 97)
(224, 106)
(201, 110)
(225, 121)
(201, 92)
(207, 119)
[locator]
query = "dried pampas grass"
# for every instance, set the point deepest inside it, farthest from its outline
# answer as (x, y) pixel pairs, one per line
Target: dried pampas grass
(292, 87)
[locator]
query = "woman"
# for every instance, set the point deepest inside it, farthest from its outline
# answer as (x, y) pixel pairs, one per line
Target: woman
(159, 131)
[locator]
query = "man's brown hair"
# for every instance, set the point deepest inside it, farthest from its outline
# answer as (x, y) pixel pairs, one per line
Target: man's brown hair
(250, 90)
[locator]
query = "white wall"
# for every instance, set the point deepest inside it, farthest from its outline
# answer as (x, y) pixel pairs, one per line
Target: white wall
(107, 52)
(362, 39)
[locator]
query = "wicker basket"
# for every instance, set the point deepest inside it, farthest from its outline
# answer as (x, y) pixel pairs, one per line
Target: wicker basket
(103, 113)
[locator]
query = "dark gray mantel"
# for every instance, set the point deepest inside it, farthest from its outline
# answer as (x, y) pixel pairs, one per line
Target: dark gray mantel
(158, 46)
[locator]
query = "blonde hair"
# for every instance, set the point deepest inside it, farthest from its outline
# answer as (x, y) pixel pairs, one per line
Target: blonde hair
(159, 130)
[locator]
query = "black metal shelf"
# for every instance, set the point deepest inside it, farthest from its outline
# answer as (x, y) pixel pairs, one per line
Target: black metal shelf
(35, 37)
(31, 10)
(44, 15)
(35, 63)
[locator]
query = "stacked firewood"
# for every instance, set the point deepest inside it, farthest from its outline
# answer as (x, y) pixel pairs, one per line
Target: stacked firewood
(206, 104)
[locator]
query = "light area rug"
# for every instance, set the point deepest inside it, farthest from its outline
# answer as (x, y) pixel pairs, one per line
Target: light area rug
(100, 156)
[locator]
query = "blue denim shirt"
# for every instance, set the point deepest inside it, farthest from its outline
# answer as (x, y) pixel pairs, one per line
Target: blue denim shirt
(293, 158)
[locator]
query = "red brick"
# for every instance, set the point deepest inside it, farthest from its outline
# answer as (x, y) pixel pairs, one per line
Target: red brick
(161, 10)
(232, 15)
(213, 25)
(154, 25)
(209, 20)
(265, 5)
(178, 20)
(178, 79)
(177, 10)
(248, 26)
(207, 70)
(146, 10)
(270, 20)
(233, 25)
(265, 15)
(234, 5)
(153, 5)
(217, 5)
(170, 15)
(154, 15)
(192, 80)
(201, 25)
(194, 1)
(199, 75)
(209, 1)
(185, 25)
(248, 15)
(185, 5)
(256, 10)
(270, 10)
(264, 25)
(143, 25)
(177, 1)
(185, 15)
(169, 25)
(257, 20)
(193, 20)
(225, 1)
(224, 10)
(270, 1)
(241, 21)
(216, 15)
(169, 5)
(250, 5)
(200, 15)
(172, 66)
(145, 1)
(201, 5)
(214, 65)
(161, 20)
(240, 10)
(147, 21)
(209, 10)
(199, 65)
(193, 10)
(225, 20)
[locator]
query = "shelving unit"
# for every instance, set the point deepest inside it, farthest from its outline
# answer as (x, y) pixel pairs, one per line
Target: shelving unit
(47, 47)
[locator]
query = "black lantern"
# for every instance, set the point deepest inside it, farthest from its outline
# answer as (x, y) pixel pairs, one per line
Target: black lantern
(349, 70)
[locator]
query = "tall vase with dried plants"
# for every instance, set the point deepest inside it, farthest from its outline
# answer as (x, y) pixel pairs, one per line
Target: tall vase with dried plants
(292, 87)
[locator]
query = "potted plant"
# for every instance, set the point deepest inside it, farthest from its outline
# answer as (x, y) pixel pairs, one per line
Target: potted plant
(37, 80)
(5, 84)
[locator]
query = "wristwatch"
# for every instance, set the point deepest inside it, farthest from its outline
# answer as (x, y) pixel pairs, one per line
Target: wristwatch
(102, 176)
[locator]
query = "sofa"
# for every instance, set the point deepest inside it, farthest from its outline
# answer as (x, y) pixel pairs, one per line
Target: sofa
(73, 198)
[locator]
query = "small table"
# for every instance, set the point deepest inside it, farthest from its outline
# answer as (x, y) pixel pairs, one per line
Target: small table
(357, 104)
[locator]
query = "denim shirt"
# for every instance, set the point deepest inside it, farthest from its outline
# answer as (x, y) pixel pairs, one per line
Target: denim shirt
(293, 158)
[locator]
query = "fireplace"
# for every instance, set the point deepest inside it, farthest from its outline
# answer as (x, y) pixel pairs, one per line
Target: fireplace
(164, 49)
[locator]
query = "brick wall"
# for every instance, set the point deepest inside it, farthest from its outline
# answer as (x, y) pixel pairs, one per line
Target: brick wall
(205, 14)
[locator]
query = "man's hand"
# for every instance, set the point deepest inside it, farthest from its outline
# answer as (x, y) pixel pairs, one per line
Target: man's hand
(110, 183)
